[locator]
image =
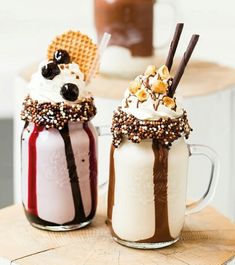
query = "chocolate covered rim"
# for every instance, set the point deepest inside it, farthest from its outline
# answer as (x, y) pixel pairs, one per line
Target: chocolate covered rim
(57, 115)
(164, 130)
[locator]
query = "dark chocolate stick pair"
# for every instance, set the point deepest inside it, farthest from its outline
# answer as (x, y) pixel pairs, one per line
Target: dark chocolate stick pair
(184, 61)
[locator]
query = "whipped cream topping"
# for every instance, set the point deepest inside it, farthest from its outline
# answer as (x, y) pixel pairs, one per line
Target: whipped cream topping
(147, 97)
(46, 90)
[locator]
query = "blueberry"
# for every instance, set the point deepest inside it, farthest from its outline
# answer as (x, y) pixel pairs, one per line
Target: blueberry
(69, 92)
(61, 56)
(50, 70)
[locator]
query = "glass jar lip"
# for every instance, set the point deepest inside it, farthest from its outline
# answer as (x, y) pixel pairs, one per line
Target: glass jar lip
(71, 123)
(125, 138)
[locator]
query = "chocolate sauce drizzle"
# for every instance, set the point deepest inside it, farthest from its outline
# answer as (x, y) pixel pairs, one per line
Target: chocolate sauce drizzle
(163, 133)
(160, 181)
(160, 172)
(93, 169)
(31, 208)
(71, 165)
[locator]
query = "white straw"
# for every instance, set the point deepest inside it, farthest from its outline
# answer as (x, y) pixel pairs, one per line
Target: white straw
(101, 48)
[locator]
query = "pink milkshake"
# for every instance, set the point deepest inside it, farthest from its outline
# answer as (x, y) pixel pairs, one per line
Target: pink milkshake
(59, 142)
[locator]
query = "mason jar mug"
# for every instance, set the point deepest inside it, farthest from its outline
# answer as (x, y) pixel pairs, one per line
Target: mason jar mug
(147, 191)
(59, 175)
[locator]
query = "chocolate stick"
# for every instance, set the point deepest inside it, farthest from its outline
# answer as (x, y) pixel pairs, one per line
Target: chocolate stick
(183, 64)
(174, 44)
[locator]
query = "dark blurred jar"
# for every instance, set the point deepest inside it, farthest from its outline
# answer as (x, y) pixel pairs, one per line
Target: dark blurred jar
(130, 22)
(132, 28)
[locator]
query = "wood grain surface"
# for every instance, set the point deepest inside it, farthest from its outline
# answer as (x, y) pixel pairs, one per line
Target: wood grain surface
(200, 78)
(207, 238)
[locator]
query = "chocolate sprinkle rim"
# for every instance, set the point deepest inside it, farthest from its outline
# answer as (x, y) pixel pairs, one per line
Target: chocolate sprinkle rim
(56, 115)
(165, 130)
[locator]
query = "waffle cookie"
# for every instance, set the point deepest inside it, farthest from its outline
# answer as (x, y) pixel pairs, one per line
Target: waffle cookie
(80, 48)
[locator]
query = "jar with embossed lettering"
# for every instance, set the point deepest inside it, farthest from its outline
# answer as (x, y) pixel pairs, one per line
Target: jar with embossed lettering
(149, 165)
(58, 141)
(59, 175)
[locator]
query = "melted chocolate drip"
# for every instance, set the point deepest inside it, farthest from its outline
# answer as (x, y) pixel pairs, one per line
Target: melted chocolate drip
(37, 220)
(160, 172)
(93, 169)
(160, 169)
(71, 165)
(78, 205)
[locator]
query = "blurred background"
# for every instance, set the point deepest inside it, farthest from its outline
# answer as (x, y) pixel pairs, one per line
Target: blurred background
(26, 28)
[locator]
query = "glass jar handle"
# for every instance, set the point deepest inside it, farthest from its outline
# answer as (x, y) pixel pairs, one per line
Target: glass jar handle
(203, 150)
(103, 130)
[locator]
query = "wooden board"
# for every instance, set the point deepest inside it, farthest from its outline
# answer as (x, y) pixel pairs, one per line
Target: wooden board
(200, 78)
(208, 238)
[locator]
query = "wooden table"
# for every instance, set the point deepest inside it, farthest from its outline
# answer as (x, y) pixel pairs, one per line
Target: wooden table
(208, 238)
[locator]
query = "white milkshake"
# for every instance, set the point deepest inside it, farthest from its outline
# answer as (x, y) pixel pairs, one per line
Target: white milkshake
(134, 190)
(148, 163)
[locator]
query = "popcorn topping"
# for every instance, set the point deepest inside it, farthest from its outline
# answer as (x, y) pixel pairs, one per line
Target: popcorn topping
(142, 95)
(152, 87)
(169, 102)
(159, 87)
(134, 86)
(164, 72)
(151, 70)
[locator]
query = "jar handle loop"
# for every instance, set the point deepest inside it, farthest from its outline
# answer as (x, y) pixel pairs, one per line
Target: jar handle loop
(202, 150)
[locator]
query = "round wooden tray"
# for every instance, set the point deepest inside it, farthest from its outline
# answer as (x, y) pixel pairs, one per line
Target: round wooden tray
(208, 238)
(200, 78)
